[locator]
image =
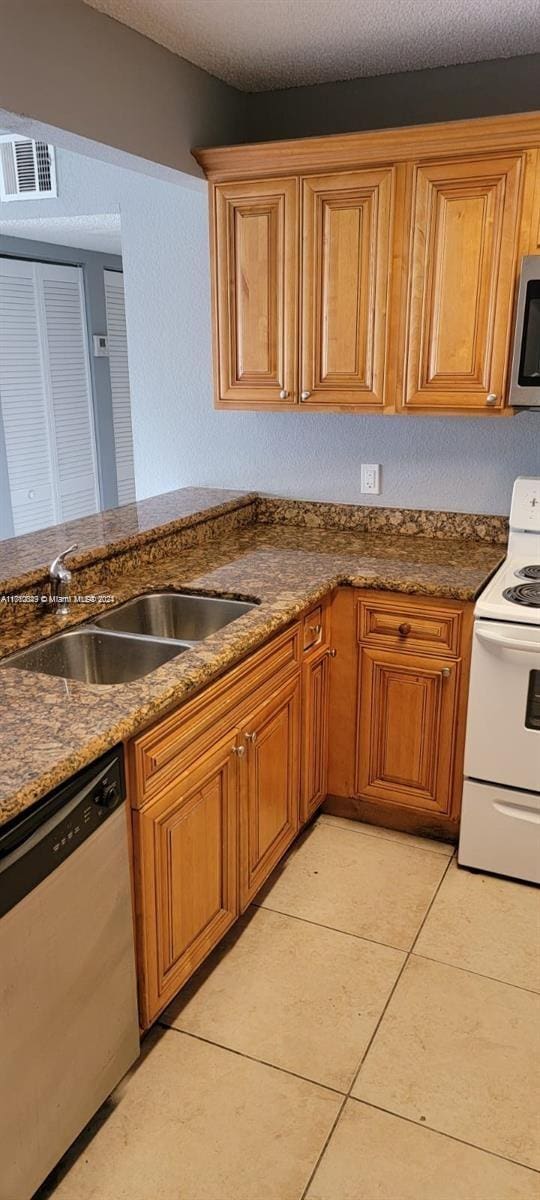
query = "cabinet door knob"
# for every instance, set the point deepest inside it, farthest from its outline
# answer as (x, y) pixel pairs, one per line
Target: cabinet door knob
(239, 750)
(251, 737)
(446, 672)
(491, 398)
(331, 653)
(404, 629)
(305, 395)
(315, 629)
(283, 395)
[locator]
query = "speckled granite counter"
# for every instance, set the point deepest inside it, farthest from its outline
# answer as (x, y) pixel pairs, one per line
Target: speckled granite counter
(51, 727)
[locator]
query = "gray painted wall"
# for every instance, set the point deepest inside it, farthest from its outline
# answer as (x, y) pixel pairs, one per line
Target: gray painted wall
(67, 65)
(411, 98)
(179, 439)
(93, 265)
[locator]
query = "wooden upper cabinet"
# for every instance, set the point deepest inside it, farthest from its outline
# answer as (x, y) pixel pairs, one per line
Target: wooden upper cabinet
(379, 273)
(465, 230)
(256, 292)
(345, 283)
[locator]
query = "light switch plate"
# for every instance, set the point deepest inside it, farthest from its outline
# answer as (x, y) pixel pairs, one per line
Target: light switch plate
(370, 478)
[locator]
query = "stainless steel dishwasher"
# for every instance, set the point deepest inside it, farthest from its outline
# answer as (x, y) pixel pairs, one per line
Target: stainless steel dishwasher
(68, 1003)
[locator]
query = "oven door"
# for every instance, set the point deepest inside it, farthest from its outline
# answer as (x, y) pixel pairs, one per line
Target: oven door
(503, 723)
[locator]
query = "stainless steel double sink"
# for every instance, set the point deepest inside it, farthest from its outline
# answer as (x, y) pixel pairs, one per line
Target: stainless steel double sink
(131, 640)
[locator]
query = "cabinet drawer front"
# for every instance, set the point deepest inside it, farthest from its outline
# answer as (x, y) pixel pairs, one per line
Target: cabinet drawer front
(405, 626)
(186, 879)
(314, 627)
(162, 751)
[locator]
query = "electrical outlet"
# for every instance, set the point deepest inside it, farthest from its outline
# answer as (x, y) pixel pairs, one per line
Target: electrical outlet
(370, 478)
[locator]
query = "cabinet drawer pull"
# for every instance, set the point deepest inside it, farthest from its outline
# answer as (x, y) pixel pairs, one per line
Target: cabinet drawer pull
(251, 737)
(239, 750)
(446, 672)
(404, 629)
(315, 629)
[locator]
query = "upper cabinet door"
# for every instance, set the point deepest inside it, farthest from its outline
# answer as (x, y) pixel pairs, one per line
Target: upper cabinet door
(465, 233)
(345, 284)
(256, 263)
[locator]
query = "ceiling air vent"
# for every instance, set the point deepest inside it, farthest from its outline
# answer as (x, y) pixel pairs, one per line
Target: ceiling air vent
(27, 169)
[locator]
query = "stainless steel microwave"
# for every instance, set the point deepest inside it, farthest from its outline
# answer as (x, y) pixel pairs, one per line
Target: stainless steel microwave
(525, 377)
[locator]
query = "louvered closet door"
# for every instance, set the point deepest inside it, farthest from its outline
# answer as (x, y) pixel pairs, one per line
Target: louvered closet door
(121, 400)
(24, 400)
(45, 394)
(67, 363)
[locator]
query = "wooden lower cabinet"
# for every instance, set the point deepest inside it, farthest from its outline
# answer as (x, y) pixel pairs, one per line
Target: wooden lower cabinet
(373, 726)
(314, 733)
(397, 710)
(269, 786)
(185, 844)
(216, 803)
(406, 729)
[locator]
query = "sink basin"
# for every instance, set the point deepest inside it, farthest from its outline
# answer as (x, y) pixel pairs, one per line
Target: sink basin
(174, 615)
(95, 656)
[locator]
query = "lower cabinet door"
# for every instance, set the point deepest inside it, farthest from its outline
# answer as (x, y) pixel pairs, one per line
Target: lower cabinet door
(406, 729)
(314, 735)
(270, 786)
(186, 885)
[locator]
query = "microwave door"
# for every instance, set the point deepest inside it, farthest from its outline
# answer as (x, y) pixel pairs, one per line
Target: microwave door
(525, 380)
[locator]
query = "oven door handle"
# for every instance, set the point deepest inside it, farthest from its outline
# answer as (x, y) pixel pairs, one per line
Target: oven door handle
(507, 642)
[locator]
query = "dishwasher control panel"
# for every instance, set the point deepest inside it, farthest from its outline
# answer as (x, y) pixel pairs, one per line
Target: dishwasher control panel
(39, 841)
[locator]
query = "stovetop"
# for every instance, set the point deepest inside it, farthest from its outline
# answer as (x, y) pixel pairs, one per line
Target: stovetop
(524, 593)
(514, 592)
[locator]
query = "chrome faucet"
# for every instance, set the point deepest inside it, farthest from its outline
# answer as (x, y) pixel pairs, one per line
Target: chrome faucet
(60, 578)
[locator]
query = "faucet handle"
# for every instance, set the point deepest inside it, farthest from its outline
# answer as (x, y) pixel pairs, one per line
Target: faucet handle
(58, 562)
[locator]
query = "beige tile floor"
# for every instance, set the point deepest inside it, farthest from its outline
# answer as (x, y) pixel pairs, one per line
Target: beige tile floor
(370, 1030)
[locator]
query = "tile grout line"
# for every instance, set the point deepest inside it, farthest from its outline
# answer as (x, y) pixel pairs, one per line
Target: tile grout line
(443, 962)
(331, 928)
(374, 1034)
(327, 1141)
(394, 841)
(442, 1133)
(263, 1062)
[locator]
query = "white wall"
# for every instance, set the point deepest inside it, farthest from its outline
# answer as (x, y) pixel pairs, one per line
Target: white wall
(428, 462)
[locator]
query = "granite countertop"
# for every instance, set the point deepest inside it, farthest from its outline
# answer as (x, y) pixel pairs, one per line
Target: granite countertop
(51, 727)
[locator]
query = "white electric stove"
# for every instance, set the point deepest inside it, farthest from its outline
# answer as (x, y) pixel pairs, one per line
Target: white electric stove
(500, 821)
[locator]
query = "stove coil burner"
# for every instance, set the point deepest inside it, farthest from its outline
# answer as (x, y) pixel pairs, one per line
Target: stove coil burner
(525, 593)
(532, 572)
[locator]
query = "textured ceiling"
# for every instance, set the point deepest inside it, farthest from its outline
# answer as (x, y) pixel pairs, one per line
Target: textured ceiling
(262, 44)
(85, 233)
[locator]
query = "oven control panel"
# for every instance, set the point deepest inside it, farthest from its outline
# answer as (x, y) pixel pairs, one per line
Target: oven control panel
(525, 510)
